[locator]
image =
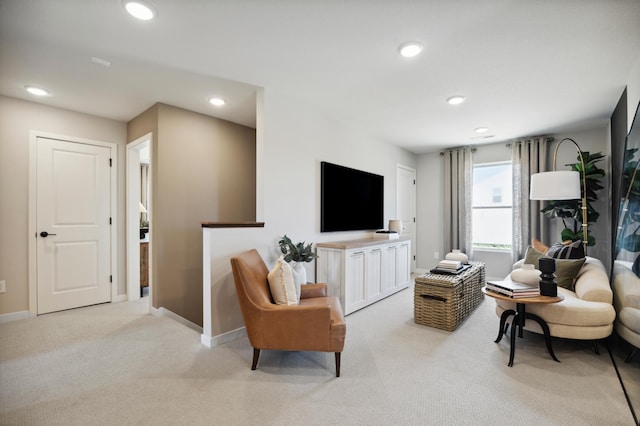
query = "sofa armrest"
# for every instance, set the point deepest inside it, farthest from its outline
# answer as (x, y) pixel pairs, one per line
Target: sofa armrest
(592, 283)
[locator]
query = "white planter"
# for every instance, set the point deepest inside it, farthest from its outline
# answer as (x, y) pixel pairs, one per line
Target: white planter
(299, 275)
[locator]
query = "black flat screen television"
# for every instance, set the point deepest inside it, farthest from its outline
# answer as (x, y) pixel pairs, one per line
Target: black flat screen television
(350, 200)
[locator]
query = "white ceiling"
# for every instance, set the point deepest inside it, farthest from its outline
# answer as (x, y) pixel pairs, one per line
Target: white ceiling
(525, 67)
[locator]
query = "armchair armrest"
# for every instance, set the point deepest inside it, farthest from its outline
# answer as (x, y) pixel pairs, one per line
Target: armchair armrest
(307, 291)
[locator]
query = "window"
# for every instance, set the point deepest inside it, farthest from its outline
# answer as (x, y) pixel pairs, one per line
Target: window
(492, 200)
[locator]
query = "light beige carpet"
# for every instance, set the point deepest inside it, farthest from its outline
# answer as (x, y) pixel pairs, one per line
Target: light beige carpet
(117, 365)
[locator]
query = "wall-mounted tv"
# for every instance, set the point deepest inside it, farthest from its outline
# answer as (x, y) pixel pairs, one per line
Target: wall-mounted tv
(350, 200)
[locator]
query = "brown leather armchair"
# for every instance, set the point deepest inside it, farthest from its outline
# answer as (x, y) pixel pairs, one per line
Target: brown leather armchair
(315, 324)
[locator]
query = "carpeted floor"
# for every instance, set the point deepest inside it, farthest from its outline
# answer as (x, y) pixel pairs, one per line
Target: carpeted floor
(117, 365)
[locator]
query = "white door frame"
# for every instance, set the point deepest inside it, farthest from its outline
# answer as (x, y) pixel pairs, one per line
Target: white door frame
(32, 229)
(133, 217)
(414, 235)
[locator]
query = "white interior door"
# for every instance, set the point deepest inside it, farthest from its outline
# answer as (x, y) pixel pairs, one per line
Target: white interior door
(73, 250)
(406, 206)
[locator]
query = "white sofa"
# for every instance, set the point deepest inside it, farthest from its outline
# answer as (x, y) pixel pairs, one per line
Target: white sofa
(586, 314)
(626, 299)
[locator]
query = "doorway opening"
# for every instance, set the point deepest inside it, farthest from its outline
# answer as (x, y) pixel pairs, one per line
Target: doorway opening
(139, 219)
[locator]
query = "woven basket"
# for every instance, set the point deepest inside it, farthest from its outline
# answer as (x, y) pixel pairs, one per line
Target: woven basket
(444, 301)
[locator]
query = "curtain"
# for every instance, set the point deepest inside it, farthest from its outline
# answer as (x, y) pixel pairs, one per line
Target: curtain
(528, 156)
(458, 183)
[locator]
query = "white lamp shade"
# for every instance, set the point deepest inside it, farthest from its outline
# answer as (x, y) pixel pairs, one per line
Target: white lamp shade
(558, 185)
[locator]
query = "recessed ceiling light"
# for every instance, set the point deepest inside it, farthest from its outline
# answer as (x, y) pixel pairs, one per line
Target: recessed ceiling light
(36, 91)
(140, 10)
(482, 129)
(217, 101)
(455, 100)
(410, 49)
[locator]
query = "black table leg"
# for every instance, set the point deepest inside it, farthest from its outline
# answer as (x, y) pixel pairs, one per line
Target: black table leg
(514, 325)
(547, 334)
(503, 319)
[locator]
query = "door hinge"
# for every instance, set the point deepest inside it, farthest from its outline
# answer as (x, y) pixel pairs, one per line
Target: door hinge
(414, 257)
(110, 162)
(110, 221)
(110, 278)
(414, 220)
(414, 181)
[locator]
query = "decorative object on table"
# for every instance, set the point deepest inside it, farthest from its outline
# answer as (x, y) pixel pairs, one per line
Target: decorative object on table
(456, 254)
(568, 198)
(526, 274)
(296, 255)
(548, 285)
(444, 301)
(395, 225)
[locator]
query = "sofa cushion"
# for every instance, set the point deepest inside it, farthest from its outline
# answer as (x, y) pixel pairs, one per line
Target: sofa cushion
(566, 269)
(283, 289)
(573, 250)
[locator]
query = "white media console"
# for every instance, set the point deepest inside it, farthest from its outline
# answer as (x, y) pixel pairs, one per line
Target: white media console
(361, 272)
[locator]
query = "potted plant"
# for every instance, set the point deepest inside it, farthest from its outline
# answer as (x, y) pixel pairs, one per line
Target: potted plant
(296, 255)
(570, 211)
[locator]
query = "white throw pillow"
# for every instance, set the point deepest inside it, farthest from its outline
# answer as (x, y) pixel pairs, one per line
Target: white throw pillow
(283, 289)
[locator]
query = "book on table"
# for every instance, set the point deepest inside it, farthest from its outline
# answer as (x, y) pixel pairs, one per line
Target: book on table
(512, 289)
(452, 265)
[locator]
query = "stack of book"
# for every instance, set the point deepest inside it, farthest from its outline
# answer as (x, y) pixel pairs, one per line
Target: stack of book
(449, 265)
(512, 289)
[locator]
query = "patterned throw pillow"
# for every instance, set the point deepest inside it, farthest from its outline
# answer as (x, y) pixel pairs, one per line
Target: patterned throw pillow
(283, 289)
(566, 269)
(574, 250)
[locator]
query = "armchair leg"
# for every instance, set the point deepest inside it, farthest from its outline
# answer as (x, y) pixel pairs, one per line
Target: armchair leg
(256, 355)
(338, 364)
(631, 354)
(594, 344)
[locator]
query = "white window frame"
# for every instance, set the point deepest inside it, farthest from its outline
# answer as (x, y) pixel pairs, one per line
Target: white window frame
(474, 207)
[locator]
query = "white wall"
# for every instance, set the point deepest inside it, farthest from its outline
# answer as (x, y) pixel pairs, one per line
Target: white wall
(633, 93)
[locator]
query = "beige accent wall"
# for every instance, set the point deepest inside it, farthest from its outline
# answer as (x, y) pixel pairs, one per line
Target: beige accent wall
(204, 169)
(17, 119)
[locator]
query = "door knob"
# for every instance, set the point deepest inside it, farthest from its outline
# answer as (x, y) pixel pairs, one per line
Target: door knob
(45, 234)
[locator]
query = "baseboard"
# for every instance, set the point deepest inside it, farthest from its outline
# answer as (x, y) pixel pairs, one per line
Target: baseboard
(14, 316)
(164, 312)
(212, 341)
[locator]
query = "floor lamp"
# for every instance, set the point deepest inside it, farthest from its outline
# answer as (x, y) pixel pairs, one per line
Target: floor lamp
(562, 185)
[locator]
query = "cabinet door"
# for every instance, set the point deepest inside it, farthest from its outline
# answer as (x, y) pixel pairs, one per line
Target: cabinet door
(374, 274)
(403, 268)
(389, 262)
(355, 289)
(329, 271)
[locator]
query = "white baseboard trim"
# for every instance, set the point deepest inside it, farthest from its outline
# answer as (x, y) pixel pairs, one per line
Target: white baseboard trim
(14, 316)
(164, 312)
(420, 271)
(212, 341)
